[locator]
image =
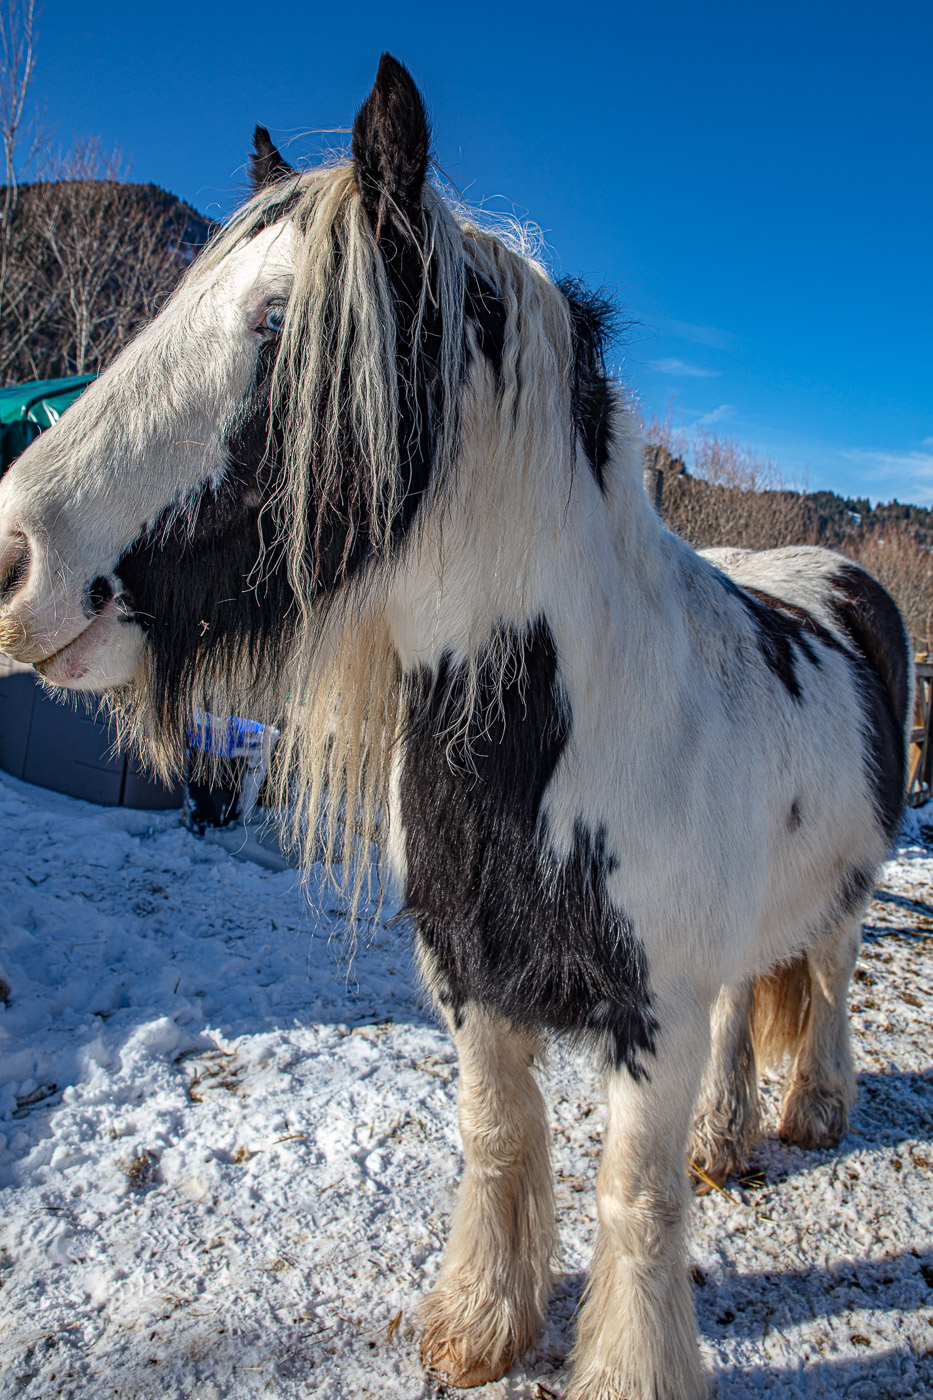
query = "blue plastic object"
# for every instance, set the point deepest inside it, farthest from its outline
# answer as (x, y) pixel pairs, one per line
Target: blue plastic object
(230, 737)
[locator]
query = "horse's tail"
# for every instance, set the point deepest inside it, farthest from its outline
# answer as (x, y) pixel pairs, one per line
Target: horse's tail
(781, 1010)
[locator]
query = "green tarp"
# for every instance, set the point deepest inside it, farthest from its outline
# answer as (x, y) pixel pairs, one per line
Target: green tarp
(27, 409)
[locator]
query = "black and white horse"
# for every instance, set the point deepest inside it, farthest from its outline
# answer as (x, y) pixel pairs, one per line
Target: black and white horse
(365, 475)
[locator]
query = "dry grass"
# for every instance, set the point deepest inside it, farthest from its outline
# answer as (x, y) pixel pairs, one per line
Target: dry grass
(717, 492)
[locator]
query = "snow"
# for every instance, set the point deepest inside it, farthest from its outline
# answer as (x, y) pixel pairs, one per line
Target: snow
(227, 1156)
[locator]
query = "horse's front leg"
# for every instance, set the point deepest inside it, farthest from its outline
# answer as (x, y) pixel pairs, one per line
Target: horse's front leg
(637, 1336)
(488, 1304)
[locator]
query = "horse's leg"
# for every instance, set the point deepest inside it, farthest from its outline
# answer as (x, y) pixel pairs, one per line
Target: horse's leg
(822, 1085)
(489, 1301)
(726, 1122)
(637, 1337)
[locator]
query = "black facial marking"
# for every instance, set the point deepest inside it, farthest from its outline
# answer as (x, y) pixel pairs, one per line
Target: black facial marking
(505, 922)
(277, 210)
(591, 403)
(794, 820)
(192, 583)
(99, 593)
(881, 662)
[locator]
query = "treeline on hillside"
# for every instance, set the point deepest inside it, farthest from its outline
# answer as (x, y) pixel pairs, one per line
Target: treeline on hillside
(85, 256)
(83, 263)
(730, 496)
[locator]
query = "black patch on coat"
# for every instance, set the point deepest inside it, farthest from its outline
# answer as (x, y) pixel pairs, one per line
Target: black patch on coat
(784, 633)
(794, 820)
(267, 165)
(592, 319)
(856, 885)
(881, 660)
(505, 922)
(871, 620)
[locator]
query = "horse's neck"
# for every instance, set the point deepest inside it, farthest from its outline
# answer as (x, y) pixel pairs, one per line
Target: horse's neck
(508, 550)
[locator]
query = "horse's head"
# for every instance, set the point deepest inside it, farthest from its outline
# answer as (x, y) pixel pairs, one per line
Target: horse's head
(259, 459)
(158, 519)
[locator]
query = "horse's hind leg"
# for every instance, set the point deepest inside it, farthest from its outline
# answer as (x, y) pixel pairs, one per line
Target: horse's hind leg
(726, 1121)
(637, 1336)
(822, 1085)
(488, 1304)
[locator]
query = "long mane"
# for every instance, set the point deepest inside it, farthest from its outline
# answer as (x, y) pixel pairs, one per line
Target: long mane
(329, 677)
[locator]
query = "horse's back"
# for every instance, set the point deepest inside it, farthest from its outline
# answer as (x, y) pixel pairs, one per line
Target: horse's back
(839, 595)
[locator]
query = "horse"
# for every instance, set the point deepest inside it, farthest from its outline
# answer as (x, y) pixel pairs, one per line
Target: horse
(366, 476)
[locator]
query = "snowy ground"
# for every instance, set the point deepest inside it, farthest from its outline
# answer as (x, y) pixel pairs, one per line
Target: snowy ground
(225, 1169)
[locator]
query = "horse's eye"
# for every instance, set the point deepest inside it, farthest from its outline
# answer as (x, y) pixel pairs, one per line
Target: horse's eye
(273, 319)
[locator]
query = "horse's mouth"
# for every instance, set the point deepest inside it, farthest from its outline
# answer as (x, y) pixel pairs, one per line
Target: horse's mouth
(105, 654)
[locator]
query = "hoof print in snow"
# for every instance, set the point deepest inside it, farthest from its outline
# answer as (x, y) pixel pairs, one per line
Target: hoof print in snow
(142, 1170)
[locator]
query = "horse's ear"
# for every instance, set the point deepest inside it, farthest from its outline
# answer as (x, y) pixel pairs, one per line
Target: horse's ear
(266, 162)
(390, 143)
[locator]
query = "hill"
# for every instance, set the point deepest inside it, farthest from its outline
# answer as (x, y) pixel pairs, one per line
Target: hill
(86, 262)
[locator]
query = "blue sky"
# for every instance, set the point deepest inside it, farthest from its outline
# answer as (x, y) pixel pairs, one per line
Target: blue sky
(752, 182)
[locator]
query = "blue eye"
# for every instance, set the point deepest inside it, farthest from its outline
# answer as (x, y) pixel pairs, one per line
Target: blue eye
(273, 320)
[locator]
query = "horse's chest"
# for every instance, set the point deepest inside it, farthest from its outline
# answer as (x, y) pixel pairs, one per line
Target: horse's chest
(504, 921)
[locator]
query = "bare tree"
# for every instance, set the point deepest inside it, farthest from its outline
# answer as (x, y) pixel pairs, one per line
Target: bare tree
(23, 139)
(108, 252)
(90, 259)
(85, 257)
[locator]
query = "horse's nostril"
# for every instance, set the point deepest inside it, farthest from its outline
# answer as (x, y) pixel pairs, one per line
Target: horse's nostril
(17, 568)
(99, 593)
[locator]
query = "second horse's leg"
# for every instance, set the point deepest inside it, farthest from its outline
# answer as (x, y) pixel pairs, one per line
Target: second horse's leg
(822, 1085)
(726, 1122)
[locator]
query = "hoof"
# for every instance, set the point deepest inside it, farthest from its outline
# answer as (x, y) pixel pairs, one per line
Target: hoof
(717, 1157)
(814, 1118)
(701, 1186)
(452, 1362)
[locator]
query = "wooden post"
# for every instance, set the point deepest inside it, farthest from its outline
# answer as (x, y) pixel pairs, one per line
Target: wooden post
(921, 737)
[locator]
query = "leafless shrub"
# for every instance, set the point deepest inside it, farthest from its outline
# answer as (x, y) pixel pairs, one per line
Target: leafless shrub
(85, 257)
(100, 256)
(730, 496)
(21, 140)
(718, 493)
